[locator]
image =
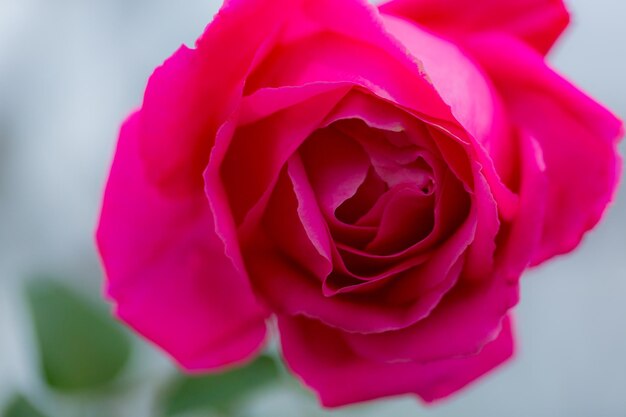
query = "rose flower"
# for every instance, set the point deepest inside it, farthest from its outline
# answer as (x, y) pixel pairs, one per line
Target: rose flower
(373, 180)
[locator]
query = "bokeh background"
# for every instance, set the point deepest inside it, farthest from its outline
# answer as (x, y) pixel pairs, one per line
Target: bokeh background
(70, 70)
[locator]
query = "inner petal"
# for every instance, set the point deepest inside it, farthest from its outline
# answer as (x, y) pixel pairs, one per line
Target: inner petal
(451, 207)
(336, 166)
(366, 196)
(408, 218)
(386, 191)
(396, 195)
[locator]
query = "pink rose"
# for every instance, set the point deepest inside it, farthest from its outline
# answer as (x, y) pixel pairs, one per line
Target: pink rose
(376, 179)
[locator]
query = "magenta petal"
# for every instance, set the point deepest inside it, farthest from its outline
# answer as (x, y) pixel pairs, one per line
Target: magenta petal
(408, 218)
(308, 210)
(267, 101)
(519, 242)
(468, 317)
(258, 151)
(183, 107)
(244, 167)
(472, 99)
(321, 358)
(463, 321)
(336, 166)
(577, 137)
(293, 223)
(456, 78)
(174, 123)
(167, 271)
(374, 112)
(480, 256)
(539, 23)
(331, 58)
(289, 287)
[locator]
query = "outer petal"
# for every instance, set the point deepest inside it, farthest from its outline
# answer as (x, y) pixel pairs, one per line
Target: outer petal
(538, 23)
(167, 271)
(320, 356)
(346, 41)
(461, 83)
(577, 137)
(192, 94)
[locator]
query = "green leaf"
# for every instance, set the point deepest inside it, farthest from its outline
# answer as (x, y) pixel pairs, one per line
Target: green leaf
(81, 346)
(21, 407)
(221, 391)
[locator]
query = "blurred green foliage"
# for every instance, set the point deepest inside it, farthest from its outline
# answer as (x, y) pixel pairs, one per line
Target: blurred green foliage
(81, 347)
(19, 406)
(221, 392)
(83, 351)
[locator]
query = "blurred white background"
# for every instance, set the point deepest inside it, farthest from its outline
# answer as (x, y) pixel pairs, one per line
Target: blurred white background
(70, 70)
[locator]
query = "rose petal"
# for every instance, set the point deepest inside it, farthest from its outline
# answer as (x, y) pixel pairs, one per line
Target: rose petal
(408, 218)
(452, 216)
(473, 101)
(356, 25)
(321, 358)
(577, 137)
(275, 273)
(258, 151)
(336, 166)
(456, 78)
(480, 256)
(453, 230)
(469, 315)
(241, 206)
(481, 253)
(352, 212)
(267, 101)
(539, 23)
(166, 268)
(333, 58)
(183, 107)
(266, 257)
(295, 226)
(519, 240)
